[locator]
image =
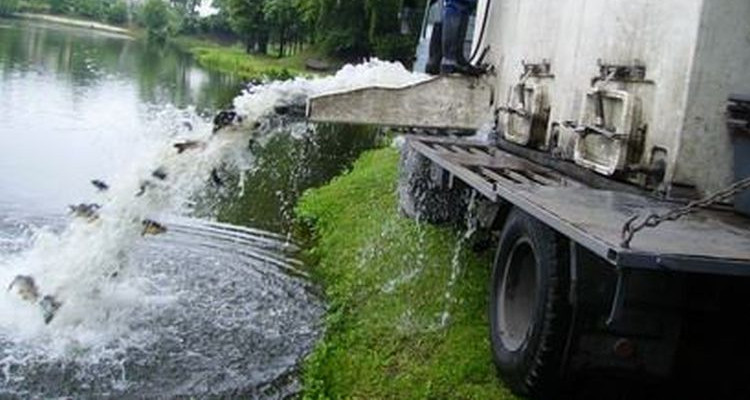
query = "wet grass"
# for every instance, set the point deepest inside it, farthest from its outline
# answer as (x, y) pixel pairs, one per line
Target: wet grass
(386, 278)
(233, 59)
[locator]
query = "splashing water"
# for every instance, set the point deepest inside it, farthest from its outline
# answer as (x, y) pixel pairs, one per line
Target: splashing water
(115, 284)
(456, 266)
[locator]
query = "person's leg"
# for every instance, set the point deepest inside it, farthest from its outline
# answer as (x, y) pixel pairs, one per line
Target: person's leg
(462, 30)
(436, 49)
(455, 22)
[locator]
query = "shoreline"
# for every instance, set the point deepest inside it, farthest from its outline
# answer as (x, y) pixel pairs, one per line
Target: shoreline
(406, 313)
(75, 22)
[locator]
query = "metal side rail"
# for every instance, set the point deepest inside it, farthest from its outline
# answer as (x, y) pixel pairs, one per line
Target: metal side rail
(709, 241)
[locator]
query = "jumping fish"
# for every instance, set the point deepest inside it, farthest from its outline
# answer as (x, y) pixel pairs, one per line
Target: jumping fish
(159, 173)
(189, 145)
(88, 211)
(144, 186)
(25, 287)
(151, 227)
(49, 305)
(225, 118)
(215, 178)
(100, 185)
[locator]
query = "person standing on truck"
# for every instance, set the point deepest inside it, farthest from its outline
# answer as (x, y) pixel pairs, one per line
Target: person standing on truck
(452, 33)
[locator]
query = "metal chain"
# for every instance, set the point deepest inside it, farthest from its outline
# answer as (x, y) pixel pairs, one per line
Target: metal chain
(633, 226)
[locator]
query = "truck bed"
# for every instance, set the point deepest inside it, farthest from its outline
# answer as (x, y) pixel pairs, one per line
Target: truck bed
(709, 241)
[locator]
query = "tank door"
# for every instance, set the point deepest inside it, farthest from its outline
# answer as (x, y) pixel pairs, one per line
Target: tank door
(525, 117)
(607, 125)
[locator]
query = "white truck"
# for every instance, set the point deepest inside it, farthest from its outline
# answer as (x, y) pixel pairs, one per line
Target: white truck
(617, 183)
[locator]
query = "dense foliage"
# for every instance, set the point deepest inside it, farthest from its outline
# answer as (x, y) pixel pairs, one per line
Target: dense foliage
(347, 29)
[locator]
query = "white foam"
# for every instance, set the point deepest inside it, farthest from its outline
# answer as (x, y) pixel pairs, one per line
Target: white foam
(76, 264)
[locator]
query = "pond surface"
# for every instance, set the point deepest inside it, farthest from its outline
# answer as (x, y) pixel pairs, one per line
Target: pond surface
(208, 308)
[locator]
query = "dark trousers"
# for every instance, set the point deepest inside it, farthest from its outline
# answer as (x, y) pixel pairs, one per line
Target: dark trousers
(458, 7)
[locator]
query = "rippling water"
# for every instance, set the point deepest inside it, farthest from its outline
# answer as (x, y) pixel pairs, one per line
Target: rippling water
(204, 309)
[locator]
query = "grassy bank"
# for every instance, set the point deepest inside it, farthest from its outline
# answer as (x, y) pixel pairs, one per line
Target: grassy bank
(399, 326)
(234, 60)
(73, 21)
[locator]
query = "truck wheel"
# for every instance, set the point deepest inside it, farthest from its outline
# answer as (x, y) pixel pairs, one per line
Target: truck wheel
(529, 314)
(423, 196)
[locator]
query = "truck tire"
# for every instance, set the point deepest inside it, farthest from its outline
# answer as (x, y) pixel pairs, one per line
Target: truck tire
(528, 311)
(422, 194)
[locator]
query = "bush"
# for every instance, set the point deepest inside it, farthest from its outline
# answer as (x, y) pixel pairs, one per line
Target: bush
(117, 12)
(278, 74)
(395, 47)
(154, 16)
(93, 9)
(34, 7)
(8, 7)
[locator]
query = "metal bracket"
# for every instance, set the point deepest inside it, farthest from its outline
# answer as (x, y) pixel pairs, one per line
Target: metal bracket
(585, 130)
(515, 111)
(635, 72)
(542, 69)
(739, 113)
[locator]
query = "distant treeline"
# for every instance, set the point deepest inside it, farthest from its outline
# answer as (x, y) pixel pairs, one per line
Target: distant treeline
(343, 28)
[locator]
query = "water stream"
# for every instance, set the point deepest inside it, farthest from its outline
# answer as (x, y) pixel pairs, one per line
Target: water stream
(201, 309)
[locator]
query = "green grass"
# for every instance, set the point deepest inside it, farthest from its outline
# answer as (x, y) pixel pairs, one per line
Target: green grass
(386, 340)
(234, 60)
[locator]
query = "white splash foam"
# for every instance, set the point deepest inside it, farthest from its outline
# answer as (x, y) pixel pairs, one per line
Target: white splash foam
(76, 265)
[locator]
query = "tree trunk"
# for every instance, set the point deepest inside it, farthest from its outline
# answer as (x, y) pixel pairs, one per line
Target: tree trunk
(263, 44)
(282, 34)
(249, 44)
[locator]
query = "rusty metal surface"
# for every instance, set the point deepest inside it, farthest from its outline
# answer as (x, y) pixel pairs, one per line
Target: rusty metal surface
(709, 241)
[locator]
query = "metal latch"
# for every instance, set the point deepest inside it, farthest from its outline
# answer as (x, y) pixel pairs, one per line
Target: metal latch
(739, 113)
(585, 130)
(600, 122)
(542, 69)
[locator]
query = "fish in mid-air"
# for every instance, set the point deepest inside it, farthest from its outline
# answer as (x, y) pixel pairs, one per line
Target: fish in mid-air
(160, 173)
(25, 287)
(151, 227)
(100, 185)
(87, 211)
(189, 145)
(225, 118)
(49, 305)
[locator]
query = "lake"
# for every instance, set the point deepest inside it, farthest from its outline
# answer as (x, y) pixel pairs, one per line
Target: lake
(219, 304)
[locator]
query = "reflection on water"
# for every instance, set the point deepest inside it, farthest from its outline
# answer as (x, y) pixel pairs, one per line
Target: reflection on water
(286, 164)
(214, 316)
(81, 59)
(204, 310)
(77, 105)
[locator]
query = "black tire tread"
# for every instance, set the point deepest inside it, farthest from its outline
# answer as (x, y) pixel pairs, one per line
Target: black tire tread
(539, 377)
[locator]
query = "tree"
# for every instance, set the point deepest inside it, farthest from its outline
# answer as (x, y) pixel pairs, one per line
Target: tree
(60, 6)
(283, 17)
(247, 19)
(342, 27)
(118, 12)
(93, 9)
(309, 12)
(154, 16)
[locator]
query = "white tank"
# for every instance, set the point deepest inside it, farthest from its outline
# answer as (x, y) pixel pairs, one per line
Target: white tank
(629, 88)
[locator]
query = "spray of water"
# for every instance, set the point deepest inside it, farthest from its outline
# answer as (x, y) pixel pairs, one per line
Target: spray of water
(87, 265)
(456, 265)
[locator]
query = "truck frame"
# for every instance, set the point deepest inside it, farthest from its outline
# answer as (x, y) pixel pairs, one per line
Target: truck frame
(610, 187)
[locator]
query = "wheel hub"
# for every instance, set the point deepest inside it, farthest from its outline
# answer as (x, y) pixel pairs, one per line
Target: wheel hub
(518, 292)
